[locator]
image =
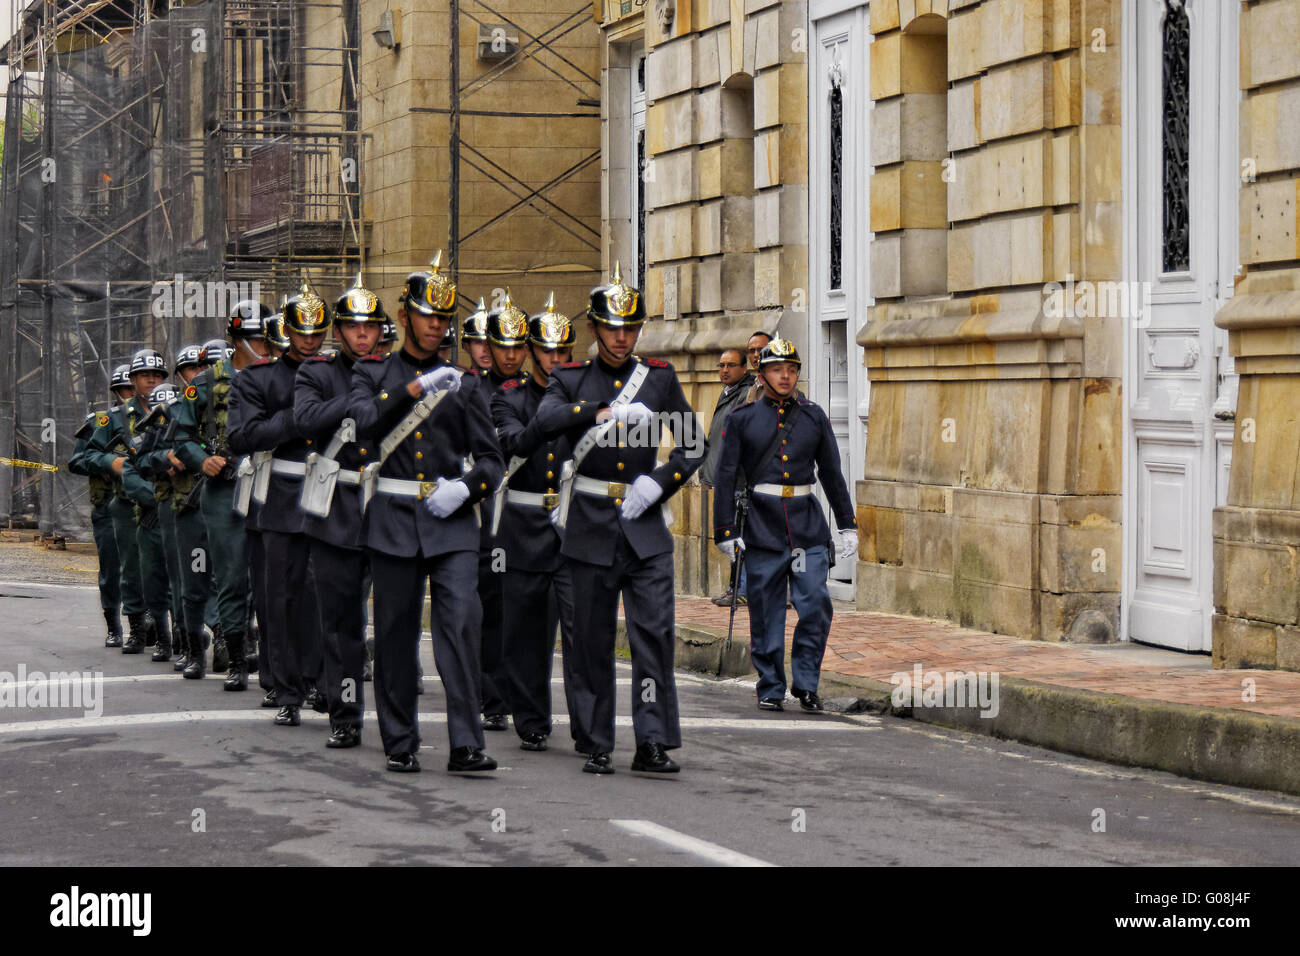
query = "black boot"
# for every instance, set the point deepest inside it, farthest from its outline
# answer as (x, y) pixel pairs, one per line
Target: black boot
(113, 618)
(194, 668)
(162, 650)
(182, 641)
(150, 629)
(134, 643)
(237, 676)
(250, 652)
(220, 653)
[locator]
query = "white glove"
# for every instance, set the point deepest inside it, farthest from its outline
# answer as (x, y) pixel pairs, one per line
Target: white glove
(446, 497)
(440, 378)
(645, 492)
(848, 544)
(732, 547)
(633, 414)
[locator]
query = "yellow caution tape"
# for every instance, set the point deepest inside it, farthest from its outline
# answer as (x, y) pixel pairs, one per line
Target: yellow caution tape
(28, 464)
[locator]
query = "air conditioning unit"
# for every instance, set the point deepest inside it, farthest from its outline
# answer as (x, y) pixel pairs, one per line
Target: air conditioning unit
(495, 42)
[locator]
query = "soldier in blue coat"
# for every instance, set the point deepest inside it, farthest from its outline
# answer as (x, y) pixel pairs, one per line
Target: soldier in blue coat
(419, 520)
(777, 442)
(262, 420)
(616, 538)
(321, 395)
(520, 511)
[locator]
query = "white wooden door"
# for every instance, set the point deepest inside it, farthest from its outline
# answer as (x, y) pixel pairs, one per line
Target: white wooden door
(1181, 135)
(838, 101)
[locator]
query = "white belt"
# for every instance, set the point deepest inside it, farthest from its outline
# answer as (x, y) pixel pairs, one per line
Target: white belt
(784, 491)
(349, 477)
(281, 467)
(405, 488)
(534, 499)
(601, 489)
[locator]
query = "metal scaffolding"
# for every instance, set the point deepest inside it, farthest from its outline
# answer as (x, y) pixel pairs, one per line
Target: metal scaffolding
(160, 158)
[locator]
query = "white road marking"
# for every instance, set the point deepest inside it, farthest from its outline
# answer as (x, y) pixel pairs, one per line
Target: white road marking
(675, 840)
(94, 724)
(56, 587)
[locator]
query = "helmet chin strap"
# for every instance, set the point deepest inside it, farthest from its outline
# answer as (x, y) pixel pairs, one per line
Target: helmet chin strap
(241, 344)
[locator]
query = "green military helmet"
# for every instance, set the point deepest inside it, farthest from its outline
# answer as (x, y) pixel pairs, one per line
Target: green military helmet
(430, 292)
(618, 304)
(248, 320)
(359, 304)
(508, 325)
(779, 350)
(475, 326)
(305, 313)
(550, 329)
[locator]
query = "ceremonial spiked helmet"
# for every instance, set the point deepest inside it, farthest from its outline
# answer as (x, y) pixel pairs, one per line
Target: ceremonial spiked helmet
(508, 325)
(550, 329)
(430, 292)
(617, 304)
(275, 336)
(779, 350)
(248, 320)
(359, 304)
(121, 378)
(475, 327)
(147, 360)
(305, 313)
(189, 357)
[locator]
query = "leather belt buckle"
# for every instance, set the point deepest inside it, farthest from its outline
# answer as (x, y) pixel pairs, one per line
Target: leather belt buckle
(551, 501)
(617, 490)
(787, 491)
(426, 488)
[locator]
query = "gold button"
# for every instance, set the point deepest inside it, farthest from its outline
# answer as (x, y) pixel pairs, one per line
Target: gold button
(418, 435)
(420, 475)
(419, 454)
(576, 409)
(383, 394)
(618, 384)
(550, 456)
(785, 457)
(550, 474)
(620, 466)
(617, 502)
(785, 474)
(550, 491)
(726, 534)
(677, 476)
(363, 451)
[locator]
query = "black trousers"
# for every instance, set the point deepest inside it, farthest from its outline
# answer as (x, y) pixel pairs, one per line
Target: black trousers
(257, 607)
(110, 571)
(528, 621)
(588, 595)
(399, 600)
(496, 680)
(291, 618)
(339, 574)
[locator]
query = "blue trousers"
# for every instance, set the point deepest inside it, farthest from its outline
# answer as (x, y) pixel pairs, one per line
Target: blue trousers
(768, 574)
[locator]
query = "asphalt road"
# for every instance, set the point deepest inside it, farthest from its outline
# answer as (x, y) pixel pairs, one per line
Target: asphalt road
(133, 786)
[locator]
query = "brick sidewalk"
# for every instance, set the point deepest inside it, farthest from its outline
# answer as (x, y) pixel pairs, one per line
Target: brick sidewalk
(876, 646)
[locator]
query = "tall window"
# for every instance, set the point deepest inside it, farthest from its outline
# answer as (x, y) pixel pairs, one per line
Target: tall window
(837, 186)
(639, 151)
(1177, 109)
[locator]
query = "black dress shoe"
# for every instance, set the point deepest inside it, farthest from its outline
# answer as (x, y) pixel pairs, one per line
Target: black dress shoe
(343, 736)
(771, 703)
(316, 701)
(469, 760)
(270, 699)
(113, 640)
(496, 722)
(403, 763)
(533, 741)
(652, 758)
(598, 763)
(290, 715)
(809, 702)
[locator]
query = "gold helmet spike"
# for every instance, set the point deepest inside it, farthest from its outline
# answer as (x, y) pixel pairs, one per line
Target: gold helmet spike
(436, 262)
(617, 278)
(550, 302)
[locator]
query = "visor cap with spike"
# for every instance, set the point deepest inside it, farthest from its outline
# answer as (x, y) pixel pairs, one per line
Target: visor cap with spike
(617, 304)
(430, 292)
(779, 350)
(359, 304)
(305, 313)
(550, 329)
(508, 325)
(475, 327)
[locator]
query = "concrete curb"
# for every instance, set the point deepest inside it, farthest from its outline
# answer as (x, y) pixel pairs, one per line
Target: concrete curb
(1215, 744)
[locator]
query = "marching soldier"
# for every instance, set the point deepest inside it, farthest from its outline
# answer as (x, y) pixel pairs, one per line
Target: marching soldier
(474, 339)
(144, 579)
(262, 422)
(101, 510)
(422, 420)
(776, 442)
(203, 446)
(520, 516)
(507, 335)
(322, 392)
(615, 537)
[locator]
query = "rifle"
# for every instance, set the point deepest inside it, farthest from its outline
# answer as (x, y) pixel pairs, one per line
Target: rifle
(742, 511)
